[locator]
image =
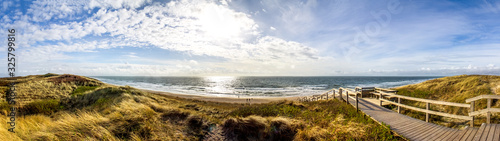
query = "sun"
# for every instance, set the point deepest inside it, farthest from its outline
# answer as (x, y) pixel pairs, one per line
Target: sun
(222, 23)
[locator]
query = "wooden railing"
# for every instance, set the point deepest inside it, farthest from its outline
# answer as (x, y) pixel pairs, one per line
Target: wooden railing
(348, 92)
(427, 109)
(385, 95)
(318, 97)
(486, 111)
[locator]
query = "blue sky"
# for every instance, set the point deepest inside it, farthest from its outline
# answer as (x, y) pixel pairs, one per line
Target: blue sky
(254, 38)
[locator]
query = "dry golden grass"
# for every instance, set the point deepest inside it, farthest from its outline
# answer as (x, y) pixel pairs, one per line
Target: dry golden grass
(58, 108)
(452, 89)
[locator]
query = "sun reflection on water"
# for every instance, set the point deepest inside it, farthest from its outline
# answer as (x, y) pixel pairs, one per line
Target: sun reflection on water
(220, 84)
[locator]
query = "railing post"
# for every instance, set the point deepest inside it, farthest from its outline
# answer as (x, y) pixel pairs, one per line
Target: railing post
(427, 105)
(340, 93)
(472, 110)
(357, 108)
(380, 98)
(333, 94)
(327, 95)
(399, 107)
(488, 114)
(347, 96)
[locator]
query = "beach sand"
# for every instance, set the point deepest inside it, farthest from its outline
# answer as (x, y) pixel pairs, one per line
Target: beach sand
(223, 99)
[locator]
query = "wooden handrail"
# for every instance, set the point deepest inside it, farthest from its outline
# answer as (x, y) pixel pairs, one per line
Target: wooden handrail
(350, 92)
(387, 90)
(429, 111)
(432, 101)
(486, 111)
(482, 97)
(387, 93)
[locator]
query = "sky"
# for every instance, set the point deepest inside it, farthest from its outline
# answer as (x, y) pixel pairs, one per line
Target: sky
(253, 38)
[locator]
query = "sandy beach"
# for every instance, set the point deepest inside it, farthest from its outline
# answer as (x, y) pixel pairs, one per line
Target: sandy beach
(218, 99)
(222, 99)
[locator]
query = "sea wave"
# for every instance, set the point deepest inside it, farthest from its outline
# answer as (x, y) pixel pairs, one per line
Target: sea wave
(266, 87)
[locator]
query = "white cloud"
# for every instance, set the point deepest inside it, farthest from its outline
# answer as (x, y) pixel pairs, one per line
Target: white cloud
(132, 55)
(6, 5)
(52, 52)
(45, 10)
(193, 62)
(116, 4)
(309, 37)
(195, 27)
(201, 29)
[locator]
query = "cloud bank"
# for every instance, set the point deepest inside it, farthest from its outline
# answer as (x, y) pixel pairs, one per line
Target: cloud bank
(209, 37)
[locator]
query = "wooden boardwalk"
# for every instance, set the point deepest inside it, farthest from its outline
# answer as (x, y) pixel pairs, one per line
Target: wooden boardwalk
(418, 130)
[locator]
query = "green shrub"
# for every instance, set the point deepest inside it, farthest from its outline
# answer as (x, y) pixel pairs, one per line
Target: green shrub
(266, 110)
(46, 107)
(50, 74)
(82, 89)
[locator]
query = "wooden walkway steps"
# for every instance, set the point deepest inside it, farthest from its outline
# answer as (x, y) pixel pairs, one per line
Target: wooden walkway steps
(418, 130)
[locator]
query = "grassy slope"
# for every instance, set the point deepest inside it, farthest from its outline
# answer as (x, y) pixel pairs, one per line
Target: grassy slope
(68, 107)
(452, 89)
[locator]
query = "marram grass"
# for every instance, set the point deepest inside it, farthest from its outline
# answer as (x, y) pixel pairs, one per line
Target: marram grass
(67, 107)
(453, 89)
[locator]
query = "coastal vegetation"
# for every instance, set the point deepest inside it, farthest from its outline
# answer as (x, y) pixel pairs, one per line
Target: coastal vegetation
(452, 89)
(70, 107)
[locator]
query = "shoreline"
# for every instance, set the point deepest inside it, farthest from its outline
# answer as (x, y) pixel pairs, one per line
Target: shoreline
(254, 100)
(235, 98)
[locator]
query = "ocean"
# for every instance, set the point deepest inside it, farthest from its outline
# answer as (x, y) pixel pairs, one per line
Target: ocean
(225, 86)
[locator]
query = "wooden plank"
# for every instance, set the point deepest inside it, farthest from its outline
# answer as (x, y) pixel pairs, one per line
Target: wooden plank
(442, 130)
(496, 135)
(400, 123)
(408, 122)
(480, 131)
(492, 132)
(482, 97)
(470, 132)
(426, 133)
(458, 135)
(444, 134)
(405, 130)
(429, 111)
(431, 128)
(429, 132)
(486, 132)
(408, 130)
(472, 135)
(466, 134)
(448, 135)
(393, 121)
(419, 130)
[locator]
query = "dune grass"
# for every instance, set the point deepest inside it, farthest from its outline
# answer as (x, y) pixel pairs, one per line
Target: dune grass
(65, 107)
(80, 90)
(318, 120)
(452, 89)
